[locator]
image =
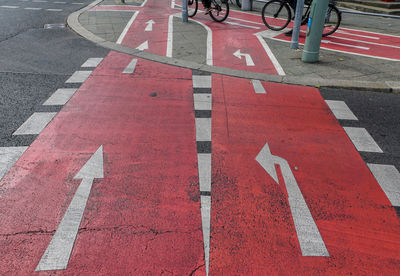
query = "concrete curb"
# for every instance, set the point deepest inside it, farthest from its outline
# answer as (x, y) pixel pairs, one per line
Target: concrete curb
(387, 87)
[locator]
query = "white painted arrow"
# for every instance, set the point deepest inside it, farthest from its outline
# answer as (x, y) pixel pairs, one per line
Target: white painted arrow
(149, 26)
(57, 254)
(310, 240)
(249, 60)
(143, 46)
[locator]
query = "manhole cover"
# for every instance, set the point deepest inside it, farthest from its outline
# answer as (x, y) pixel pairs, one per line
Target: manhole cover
(54, 26)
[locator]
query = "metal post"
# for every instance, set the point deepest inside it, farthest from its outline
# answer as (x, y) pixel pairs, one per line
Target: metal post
(315, 27)
(184, 11)
(247, 5)
(297, 24)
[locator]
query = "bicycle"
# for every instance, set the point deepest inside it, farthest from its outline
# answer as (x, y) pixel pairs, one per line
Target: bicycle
(219, 9)
(276, 15)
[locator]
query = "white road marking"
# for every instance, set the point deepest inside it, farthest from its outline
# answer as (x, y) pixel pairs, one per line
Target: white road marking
(60, 2)
(258, 87)
(346, 45)
(149, 26)
(57, 254)
(54, 10)
(123, 34)
(61, 96)
(242, 25)
(35, 123)
(201, 81)
(92, 62)
(170, 35)
(77, 3)
(144, 3)
(310, 239)
(206, 225)
(130, 68)
(204, 164)
(203, 129)
(79, 77)
(143, 46)
(173, 4)
(209, 58)
(362, 140)
(249, 60)
(39, 1)
(366, 42)
(33, 9)
(202, 101)
(248, 21)
(341, 110)
(271, 56)
(9, 7)
(353, 34)
(388, 178)
(8, 157)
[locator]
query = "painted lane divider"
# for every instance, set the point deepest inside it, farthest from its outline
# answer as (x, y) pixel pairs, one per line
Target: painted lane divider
(92, 62)
(8, 156)
(249, 60)
(362, 140)
(35, 123)
(310, 239)
(149, 25)
(61, 96)
(124, 32)
(202, 99)
(130, 68)
(79, 77)
(258, 87)
(143, 46)
(341, 110)
(58, 252)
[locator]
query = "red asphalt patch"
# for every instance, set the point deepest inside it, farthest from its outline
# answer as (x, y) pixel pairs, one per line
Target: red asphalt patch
(252, 226)
(144, 216)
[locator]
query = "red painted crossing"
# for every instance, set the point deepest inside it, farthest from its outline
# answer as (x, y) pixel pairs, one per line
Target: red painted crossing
(252, 227)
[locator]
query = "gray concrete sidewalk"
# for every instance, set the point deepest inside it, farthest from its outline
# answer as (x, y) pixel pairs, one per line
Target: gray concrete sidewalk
(335, 69)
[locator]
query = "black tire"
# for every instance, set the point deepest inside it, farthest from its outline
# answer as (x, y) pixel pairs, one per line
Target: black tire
(239, 3)
(193, 6)
(332, 20)
(220, 10)
(276, 15)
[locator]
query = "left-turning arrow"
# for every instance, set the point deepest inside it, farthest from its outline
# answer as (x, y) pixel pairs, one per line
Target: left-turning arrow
(57, 254)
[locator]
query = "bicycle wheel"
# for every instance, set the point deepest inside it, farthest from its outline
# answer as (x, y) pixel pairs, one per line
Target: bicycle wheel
(332, 20)
(193, 5)
(220, 10)
(276, 15)
(239, 3)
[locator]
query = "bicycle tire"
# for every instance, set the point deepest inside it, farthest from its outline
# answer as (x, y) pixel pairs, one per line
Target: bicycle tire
(334, 17)
(220, 10)
(193, 6)
(276, 15)
(239, 3)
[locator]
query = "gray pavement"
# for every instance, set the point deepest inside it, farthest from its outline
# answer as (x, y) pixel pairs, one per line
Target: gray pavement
(334, 70)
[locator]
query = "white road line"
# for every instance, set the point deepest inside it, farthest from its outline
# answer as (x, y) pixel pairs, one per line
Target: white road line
(201, 81)
(242, 25)
(203, 129)
(349, 33)
(123, 34)
(341, 110)
(173, 4)
(144, 3)
(388, 178)
(258, 87)
(92, 62)
(39, 1)
(206, 225)
(8, 157)
(77, 3)
(391, 35)
(204, 165)
(60, 2)
(130, 68)
(143, 46)
(61, 96)
(35, 123)
(271, 56)
(33, 9)
(54, 10)
(57, 254)
(362, 140)
(248, 21)
(346, 45)
(209, 58)
(202, 101)
(170, 35)
(9, 7)
(79, 77)
(366, 42)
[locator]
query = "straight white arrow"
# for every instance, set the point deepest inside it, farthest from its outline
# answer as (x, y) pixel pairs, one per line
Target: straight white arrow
(57, 254)
(143, 46)
(249, 60)
(149, 26)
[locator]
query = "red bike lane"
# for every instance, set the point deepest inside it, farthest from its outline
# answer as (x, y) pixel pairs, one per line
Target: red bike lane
(143, 216)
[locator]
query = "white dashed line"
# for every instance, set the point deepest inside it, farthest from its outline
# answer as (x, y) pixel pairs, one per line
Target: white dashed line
(122, 35)
(341, 110)
(362, 140)
(130, 68)
(61, 96)
(8, 157)
(79, 77)
(258, 87)
(201, 81)
(35, 124)
(92, 62)
(33, 9)
(9, 7)
(54, 10)
(388, 178)
(203, 129)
